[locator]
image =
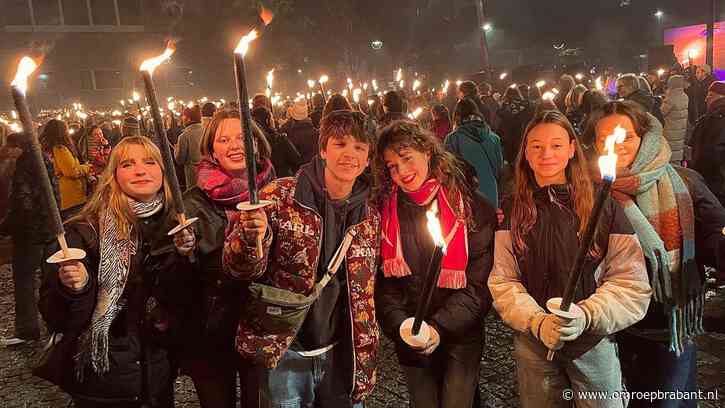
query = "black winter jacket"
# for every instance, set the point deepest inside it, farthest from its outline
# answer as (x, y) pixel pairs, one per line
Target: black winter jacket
(708, 151)
(141, 333)
(304, 137)
(457, 315)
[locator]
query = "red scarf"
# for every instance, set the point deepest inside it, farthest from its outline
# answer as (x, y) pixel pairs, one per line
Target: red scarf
(453, 266)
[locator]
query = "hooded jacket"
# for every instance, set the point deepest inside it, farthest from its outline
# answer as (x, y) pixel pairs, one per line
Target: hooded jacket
(675, 111)
(475, 142)
(292, 249)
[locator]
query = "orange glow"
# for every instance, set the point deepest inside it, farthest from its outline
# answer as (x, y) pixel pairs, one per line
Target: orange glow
(26, 67)
(266, 15)
(243, 45)
(152, 63)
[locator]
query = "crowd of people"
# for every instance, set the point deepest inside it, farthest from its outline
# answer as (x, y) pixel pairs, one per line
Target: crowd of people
(296, 320)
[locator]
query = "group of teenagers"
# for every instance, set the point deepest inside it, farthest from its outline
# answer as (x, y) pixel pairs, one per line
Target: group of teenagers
(291, 298)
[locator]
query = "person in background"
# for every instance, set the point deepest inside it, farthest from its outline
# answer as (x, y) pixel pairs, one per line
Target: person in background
(188, 150)
(73, 177)
(285, 157)
(628, 88)
(591, 101)
(708, 142)
(318, 346)
(117, 308)
(394, 107)
(441, 122)
(301, 132)
(675, 110)
(701, 82)
(415, 174)
(28, 225)
(491, 104)
(318, 105)
(566, 84)
(475, 142)
(469, 89)
(573, 111)
(207, 113)
(679, 224)
(515, 113)
(207, 352)
(99, 150)
(130, 127)
(533, 254)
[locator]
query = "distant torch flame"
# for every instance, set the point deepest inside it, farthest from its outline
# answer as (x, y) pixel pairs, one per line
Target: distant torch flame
(25, 68)
(266, 15)
(399, 75)
(416, 113)
(150, 64)
(541, 84)
(416, 85)
(311, 83)
(270, 78)
(243, 45)
(608, 162)
(434, 226)
(324, 79)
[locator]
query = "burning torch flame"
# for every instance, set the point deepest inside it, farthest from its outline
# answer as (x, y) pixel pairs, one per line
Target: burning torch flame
(416, 113)
(324, 79)
(270, 78)
(660, 72)
(311, 83)
(445, 86)
(150, 64)
(25, 68)
(266, 15)
(243, 45)
(608, 162)
(434, 226)
(416, 85)
(548, 96)
(375, 85)
(540, 84)
(399, 75)
(136, 96)
(356, 95)
(598, 83)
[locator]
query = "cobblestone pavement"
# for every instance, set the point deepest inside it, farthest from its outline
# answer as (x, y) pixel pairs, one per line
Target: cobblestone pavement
(19, 389)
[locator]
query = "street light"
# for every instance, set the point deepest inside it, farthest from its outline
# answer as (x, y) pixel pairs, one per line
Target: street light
(659, 13)
(487, 27)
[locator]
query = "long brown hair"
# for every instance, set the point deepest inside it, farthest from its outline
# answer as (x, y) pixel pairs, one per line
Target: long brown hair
(523, 210)
(109, 196)
(443, 166)
(264, 150)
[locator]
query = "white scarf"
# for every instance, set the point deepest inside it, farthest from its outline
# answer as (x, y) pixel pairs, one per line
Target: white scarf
(113, 270)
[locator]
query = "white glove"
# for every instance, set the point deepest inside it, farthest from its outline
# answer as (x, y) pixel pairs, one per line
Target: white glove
(571, 329)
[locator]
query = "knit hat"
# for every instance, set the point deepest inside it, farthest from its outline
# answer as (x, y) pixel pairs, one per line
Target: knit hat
(298, 111)
(718, 88)
(130, 126)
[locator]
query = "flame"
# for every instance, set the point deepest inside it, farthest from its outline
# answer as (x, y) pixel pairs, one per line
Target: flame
(548, 96)
(399, 75)
(598, 83)
(266, 15)
(270, 78)
(541, 84)
(416, 84)
(356, 95)
(446, 85)
(136, 96)
(150, 64)
(503, 76)
(434, 226)
(402, 83)
(375, 85)
(349, 81)
(243, 45)
(660, 72)
(311, 83)
(324, 79)
(416, 113)
(365, 86)
(608, 161)
(26, 67)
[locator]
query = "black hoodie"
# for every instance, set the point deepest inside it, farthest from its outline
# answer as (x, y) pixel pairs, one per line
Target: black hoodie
(327, 319)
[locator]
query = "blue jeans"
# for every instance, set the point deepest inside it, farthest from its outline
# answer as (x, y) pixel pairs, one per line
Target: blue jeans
(648, 365)
(309, 382)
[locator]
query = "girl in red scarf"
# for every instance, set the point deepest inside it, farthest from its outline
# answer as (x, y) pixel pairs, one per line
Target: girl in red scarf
(414, 173)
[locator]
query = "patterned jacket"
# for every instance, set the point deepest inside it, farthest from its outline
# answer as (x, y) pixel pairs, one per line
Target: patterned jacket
(291, 254)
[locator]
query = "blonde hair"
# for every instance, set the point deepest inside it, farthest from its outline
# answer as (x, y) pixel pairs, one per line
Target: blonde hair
(108, 195)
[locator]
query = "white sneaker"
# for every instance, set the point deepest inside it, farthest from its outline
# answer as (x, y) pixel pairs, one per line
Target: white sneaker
(11, 341)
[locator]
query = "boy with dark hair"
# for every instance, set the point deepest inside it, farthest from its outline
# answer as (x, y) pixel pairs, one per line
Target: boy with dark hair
(310, 320)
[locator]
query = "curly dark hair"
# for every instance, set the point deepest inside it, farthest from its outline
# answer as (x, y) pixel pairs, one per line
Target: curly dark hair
(443, 165)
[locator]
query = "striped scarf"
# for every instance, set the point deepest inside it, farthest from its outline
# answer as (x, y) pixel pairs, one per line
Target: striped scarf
(658, 205)
(116, 253)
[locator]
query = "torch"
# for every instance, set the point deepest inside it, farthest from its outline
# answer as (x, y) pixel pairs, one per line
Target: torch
(270, 80)
(322, 81)
(249, 152)
(142, 122)
(19, 87)
(414, 331)
(563, 307)
(147, 71)
(309, 95)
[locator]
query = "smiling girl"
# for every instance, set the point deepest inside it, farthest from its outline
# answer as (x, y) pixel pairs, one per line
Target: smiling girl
(551, 205)
(414, 173)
